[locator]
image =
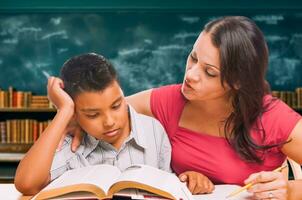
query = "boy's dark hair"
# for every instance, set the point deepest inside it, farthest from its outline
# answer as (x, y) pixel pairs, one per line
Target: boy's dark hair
(87, 73)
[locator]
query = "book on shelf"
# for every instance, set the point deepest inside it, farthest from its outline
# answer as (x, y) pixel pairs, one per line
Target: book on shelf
(17, 135)
(22, 99)
(291, 98)
(299, 97)
(106, 181)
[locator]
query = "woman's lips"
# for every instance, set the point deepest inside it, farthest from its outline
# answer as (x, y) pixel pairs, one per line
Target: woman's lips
(188, 85)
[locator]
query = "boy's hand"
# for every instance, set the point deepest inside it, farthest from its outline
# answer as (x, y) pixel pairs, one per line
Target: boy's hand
(57, 95)
(197, 183)
(62, 100)
(74, 130)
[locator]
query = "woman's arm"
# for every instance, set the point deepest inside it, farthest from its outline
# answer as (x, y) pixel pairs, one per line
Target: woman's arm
(33, 172)
(293, 148)
(141, 102)
(273, 184)
(293, 151)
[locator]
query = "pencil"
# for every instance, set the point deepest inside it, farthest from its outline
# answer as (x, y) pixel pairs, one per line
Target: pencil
(279, 169)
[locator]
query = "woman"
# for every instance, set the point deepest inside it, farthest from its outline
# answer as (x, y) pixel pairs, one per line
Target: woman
(222, 123)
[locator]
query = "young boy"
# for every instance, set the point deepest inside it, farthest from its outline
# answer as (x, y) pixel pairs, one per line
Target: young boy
(113, 132)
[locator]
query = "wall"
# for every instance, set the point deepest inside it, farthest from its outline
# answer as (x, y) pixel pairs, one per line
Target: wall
(148, 42)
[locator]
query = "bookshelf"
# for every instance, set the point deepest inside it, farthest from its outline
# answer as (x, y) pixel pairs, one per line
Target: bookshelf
(12, 152)
(23, 117)
(26, 110)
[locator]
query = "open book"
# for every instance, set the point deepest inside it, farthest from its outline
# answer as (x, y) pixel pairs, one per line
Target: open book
(222, 191)
(104, 181)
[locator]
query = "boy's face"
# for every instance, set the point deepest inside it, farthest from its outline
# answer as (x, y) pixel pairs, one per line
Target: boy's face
(104, 114)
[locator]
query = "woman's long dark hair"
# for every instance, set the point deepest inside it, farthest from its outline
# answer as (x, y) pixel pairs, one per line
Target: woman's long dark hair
(244, 61)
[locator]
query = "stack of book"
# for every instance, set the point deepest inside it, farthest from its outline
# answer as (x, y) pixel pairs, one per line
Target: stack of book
(291, 98)
(20, 99)
(40, 102)
(19, 130)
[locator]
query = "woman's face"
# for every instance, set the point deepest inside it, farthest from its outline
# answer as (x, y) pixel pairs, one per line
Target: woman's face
(202, 76)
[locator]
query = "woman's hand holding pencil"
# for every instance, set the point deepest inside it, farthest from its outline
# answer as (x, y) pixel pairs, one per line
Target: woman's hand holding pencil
(266, 185)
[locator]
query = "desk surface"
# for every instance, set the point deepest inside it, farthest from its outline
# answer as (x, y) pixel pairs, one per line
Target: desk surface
(9, 192)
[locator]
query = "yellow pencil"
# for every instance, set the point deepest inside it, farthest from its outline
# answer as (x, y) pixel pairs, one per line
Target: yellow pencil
(279, 169)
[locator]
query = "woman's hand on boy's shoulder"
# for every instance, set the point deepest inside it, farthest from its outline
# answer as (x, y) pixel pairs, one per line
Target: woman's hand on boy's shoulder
(197, 183)
(57, 95)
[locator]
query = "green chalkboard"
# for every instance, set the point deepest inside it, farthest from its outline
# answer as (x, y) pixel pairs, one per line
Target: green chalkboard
(148, 47)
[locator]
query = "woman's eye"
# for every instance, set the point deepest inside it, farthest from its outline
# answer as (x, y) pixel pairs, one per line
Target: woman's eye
(210, 73)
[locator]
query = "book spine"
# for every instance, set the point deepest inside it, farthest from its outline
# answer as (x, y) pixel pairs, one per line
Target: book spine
(299, 97)
(8, 131)
(1, 99)
(10, 96)
(3, 131)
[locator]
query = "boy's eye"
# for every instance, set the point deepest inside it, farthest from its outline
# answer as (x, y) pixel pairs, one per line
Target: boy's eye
(91, 116)
(116, 106)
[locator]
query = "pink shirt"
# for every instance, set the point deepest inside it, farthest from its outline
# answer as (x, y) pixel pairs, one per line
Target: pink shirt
(211, 155)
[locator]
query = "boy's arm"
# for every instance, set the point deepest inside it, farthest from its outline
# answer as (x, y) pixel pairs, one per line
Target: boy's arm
(33, 172)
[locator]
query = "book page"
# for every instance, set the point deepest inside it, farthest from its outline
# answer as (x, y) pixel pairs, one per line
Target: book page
(222, 191)
(156, 178)
(76, 196)
(102, 176)
(126, 194)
